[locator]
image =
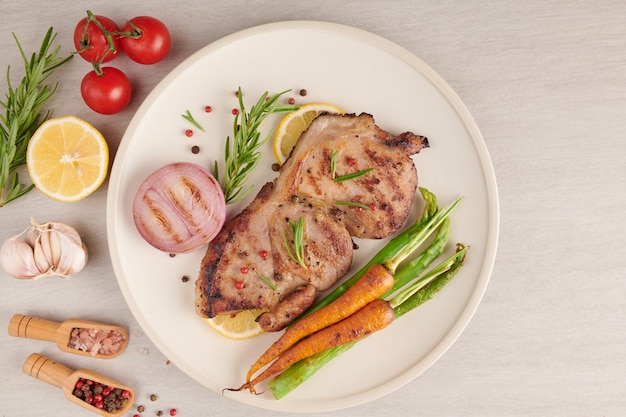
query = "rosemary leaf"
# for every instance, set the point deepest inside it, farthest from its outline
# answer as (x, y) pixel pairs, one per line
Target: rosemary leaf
(241, 153)
(23, 113)
(333, 164)
(189, 117)
(353, 204)
(268, 282)
(353, 175)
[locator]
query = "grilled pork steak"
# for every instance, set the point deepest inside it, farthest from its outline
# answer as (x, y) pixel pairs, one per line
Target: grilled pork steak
(248, 265)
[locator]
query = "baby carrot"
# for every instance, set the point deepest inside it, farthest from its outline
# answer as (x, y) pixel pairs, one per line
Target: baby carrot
(376, 281)
(375, 316)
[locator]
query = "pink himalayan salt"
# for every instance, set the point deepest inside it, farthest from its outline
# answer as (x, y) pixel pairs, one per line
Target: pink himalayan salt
(94, 341)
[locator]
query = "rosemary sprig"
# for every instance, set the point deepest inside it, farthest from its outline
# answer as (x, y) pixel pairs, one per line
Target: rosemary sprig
(22, 113)
(189, 117)
(353, 175)
(241, 154)
(268, 282)
(297, 251)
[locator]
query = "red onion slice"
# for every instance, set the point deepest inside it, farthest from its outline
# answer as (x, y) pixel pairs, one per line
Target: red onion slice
(179, 207)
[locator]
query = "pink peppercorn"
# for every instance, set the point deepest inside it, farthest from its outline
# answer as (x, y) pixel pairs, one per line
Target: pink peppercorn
(173, 412)
(208, 109)
(189, 133)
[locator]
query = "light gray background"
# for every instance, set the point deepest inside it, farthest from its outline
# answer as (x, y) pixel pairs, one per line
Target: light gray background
(546, 84)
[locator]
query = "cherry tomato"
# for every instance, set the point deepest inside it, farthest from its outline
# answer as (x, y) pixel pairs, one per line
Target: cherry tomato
(91, 43)
(107, 93)
(149, 41)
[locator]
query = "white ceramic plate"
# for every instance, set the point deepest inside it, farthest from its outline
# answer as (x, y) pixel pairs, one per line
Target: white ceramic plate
(359, 72)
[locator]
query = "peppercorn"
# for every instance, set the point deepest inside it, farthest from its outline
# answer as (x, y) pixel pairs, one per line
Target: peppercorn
(153, 397)
(195, 149)
(185, 278)
(141, 408)
(303, 92)
(159, 413)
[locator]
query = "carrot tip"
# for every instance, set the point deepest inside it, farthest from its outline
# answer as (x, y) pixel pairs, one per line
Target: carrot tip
(247, 386)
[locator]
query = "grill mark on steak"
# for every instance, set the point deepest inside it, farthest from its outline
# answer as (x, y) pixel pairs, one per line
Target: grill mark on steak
(304, 188)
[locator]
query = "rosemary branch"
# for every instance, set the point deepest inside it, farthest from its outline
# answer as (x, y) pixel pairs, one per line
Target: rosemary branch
(241, 154)
(297, 231)
(22, 113)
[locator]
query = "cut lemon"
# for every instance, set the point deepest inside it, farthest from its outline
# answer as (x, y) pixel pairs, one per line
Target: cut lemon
(67, 158)
(293, 124)
(237, 326)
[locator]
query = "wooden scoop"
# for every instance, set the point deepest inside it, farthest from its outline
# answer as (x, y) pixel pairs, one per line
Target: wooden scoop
(45, 369)
(35, 328)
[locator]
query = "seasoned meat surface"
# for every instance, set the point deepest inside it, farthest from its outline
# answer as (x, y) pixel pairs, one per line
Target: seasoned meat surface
(248, 265)
(358, 145)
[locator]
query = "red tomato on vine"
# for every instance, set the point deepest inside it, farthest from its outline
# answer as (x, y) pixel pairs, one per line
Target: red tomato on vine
(145, 39)
(95, 38)
(106, 90)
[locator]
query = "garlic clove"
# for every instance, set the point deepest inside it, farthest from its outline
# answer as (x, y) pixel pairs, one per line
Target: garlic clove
(67, 230)
(50, 247)
(30, 235)
(41, 260)
(73, 255)
(17, 258)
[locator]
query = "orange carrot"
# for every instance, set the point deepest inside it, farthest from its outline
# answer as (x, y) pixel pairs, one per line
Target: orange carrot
(375, 316)
(373, 284)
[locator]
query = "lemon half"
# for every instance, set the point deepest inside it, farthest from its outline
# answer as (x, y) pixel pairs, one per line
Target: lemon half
(67, 158)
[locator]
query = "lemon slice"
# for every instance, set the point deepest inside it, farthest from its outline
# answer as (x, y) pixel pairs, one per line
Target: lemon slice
(67, 158)
(237, 326)
(294, 123)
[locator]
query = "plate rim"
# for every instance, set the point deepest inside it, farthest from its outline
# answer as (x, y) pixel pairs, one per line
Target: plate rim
(399, 52)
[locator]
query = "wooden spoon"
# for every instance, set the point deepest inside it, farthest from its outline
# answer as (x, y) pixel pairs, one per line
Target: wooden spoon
(35, 328)
(45, 369)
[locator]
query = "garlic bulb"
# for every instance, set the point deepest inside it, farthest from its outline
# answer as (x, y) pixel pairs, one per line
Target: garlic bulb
(42, 250)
